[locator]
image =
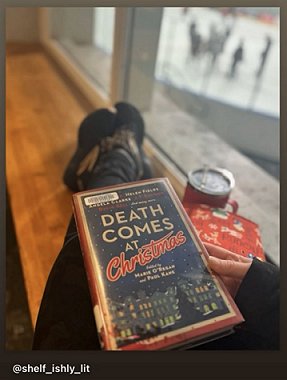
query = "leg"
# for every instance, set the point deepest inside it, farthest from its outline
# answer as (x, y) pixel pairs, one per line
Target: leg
(65, 319)
(95, 127)
(113, 169)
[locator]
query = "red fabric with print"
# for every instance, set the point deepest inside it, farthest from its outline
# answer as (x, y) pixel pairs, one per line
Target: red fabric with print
(227, 230)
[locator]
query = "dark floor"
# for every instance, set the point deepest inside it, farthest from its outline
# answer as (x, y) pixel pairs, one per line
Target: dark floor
(19, 330)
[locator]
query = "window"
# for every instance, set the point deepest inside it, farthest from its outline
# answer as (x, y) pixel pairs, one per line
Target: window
(221, 66)
(218, 65)
(86, 34)
(225, 54)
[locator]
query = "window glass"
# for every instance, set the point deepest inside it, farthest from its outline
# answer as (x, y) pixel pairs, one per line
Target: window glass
(86, 35)
(227, 54)
(104, 28)
(222, 67)
(219, 66)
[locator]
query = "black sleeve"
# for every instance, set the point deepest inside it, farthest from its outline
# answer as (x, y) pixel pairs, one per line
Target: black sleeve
(258, 300)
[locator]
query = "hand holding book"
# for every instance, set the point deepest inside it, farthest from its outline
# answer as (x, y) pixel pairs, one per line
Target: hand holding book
(231, 267)
(150, 283)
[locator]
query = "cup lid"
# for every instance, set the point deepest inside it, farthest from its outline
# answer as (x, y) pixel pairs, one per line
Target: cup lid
(212, 181)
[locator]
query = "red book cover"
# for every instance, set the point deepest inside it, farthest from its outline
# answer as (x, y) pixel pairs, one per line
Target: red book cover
(147, 270)
(227, 230)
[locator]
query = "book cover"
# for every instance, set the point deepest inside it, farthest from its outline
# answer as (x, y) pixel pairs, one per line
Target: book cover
(227, 230)
(149, 281)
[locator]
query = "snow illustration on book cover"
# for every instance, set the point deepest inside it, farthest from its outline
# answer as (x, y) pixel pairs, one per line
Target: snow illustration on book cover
(153, 277)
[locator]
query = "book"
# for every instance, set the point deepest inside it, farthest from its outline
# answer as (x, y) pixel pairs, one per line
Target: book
(227, 230)
(147, 270)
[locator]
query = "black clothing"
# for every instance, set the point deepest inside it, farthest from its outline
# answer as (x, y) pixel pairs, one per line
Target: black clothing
(258, 300)
(263, 57)
(65, 319)
(237, 57)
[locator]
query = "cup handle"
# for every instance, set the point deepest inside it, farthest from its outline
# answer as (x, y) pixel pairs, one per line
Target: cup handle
(234, 205)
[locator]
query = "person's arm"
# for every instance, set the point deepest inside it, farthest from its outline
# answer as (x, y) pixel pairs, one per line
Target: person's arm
(258, 298)
(256, 291)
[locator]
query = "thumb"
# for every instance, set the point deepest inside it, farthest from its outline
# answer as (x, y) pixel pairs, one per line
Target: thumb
(228, 268)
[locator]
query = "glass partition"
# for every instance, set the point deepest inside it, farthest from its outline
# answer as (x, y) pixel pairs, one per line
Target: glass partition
(227, 54)
(219, 66)
(86, 34)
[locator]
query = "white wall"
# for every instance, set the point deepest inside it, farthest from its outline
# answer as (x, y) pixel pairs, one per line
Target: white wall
(22, 25)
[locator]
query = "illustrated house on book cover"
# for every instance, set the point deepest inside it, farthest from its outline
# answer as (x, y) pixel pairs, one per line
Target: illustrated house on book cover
(147, 269)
